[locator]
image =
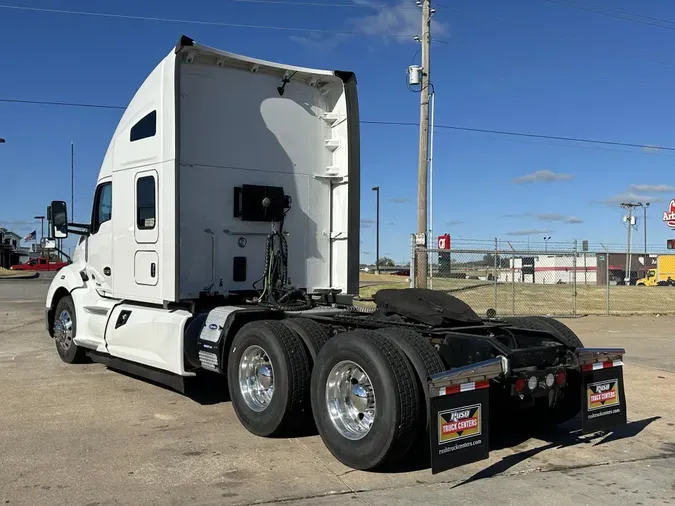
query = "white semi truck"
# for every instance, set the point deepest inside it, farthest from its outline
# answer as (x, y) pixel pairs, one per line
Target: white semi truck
(224, 238)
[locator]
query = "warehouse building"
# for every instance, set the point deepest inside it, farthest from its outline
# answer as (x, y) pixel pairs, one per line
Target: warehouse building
(590, 268)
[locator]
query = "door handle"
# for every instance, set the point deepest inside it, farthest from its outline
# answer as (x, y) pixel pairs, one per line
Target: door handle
(106, 271)
(153, 269)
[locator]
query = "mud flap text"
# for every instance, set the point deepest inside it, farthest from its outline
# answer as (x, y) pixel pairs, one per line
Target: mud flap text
(458, 429)
(603, 398)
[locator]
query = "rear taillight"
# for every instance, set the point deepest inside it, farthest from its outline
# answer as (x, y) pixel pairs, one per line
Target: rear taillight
(520, 385)
(561, 377)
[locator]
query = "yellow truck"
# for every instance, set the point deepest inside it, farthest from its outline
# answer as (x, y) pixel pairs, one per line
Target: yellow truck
(663, 275)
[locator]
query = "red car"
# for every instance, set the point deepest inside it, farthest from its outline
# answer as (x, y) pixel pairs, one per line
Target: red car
(39, 264)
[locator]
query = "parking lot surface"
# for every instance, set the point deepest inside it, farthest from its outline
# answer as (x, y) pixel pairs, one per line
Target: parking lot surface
(86, 435)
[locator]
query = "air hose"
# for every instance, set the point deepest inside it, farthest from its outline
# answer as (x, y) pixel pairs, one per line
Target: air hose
(277, 290)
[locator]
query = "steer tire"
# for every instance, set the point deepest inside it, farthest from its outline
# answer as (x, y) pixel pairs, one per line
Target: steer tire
(68, 351)
(424, 359)
(287, 408)
(312, 334)
(396, 394)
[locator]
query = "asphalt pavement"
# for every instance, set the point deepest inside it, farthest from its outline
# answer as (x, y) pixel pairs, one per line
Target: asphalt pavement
(86, 435)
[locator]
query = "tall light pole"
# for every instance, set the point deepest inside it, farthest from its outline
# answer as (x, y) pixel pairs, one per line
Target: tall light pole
(2, 141)
(644, 224)
(422, 175)
(546, 239)
(72, 180)
(376, 189)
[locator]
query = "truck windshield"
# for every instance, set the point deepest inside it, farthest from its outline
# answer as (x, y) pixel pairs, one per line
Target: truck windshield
(651, 274)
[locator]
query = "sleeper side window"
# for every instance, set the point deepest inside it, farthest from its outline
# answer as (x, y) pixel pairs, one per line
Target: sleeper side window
(146, 127)
(145, 203)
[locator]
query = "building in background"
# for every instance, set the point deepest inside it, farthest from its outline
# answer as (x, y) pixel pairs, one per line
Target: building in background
(11, 252)
(589, 268)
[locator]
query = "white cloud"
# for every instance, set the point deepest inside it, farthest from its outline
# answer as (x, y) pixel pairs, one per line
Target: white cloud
(543, 176)
(547, 217)
(630, 197)
(400, 200)
(454, 222)
(651, 188)
(399, 22)
(530, 231)
(367, 223)
(558, 217)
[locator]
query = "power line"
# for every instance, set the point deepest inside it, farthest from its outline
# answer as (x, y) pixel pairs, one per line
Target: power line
(616, 13)
(389, 123)
(63, 104)
(524, 134)
(327, 4)
(197, 22)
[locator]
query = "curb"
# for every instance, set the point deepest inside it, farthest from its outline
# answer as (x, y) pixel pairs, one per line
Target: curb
(35, 275)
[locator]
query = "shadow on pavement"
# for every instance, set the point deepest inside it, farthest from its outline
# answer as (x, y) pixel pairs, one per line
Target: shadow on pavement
(557, 438)
(631, 429)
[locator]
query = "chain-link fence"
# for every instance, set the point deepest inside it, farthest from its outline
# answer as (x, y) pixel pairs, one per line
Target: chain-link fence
(504, 280)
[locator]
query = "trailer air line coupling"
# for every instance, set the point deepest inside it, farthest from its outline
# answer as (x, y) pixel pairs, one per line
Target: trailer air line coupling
(277, 291)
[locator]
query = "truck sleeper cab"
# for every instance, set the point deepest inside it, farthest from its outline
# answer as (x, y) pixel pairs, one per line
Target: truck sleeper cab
(224, 238)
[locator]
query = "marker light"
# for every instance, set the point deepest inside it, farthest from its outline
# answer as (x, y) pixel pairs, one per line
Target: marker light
(532, 382)
(549, 380)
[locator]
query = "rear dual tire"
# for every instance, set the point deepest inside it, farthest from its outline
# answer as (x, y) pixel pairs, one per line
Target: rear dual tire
(268, 376)
(365, 400)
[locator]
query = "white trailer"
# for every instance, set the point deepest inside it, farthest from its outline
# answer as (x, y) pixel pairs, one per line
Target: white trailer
(224, 238)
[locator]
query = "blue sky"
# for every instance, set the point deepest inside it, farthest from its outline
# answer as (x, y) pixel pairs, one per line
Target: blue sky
(527, 65)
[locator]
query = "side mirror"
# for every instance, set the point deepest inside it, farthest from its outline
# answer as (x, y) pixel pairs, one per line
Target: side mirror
(59, 222)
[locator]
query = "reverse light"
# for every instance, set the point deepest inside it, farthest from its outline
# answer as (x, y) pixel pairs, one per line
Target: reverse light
(520, 385)
(549, 380)
(561, 377)
(532, 383)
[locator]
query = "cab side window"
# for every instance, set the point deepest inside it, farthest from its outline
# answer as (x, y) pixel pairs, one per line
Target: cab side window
(102, 206)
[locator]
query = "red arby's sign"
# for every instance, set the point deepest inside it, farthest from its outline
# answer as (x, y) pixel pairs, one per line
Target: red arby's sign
(669, 215)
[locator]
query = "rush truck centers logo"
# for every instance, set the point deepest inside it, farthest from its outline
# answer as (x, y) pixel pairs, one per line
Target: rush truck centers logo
(602, 394)
(669, 215)
(459, 423)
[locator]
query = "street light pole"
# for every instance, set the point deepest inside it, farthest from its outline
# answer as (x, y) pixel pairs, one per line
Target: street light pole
(376, 189)
(644, 225)
(546, 239)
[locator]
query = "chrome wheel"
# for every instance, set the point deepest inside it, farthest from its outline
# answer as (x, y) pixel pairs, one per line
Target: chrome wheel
(350, 400)
(63, 330)
(256, 378)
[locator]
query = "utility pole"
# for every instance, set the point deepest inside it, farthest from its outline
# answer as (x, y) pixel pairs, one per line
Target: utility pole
(422, 174)
(629, 219)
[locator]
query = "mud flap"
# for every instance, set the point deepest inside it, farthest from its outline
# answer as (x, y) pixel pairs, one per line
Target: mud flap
(604, 399)
(459, 416)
